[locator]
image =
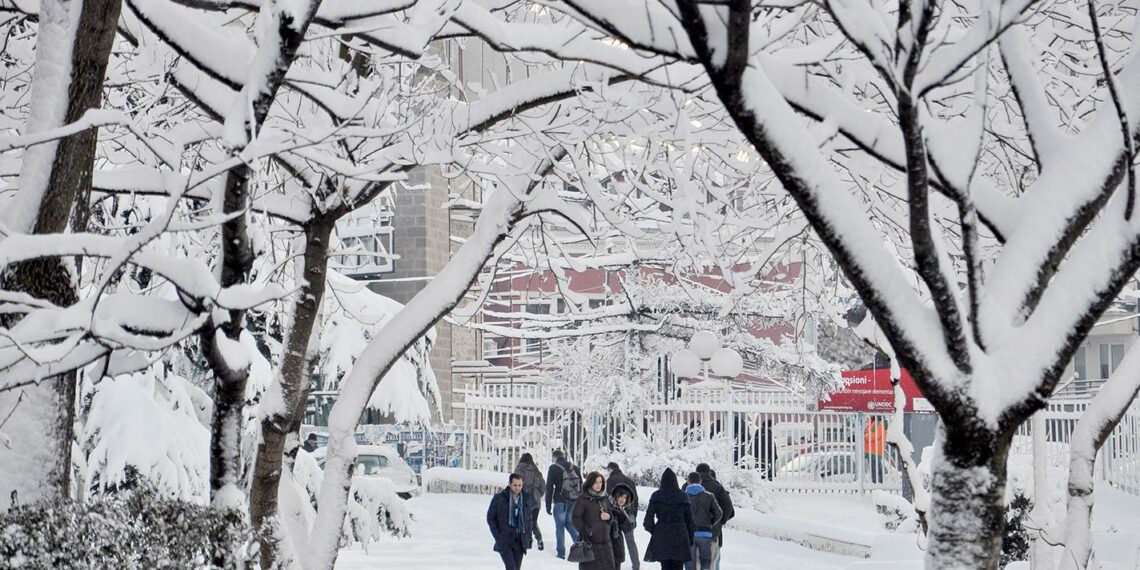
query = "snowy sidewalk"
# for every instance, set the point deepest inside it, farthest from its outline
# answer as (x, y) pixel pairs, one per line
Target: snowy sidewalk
(451, 533)
(840, 524)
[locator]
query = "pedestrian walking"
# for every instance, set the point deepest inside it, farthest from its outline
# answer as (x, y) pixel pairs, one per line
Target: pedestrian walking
(617, 480)
(621, 503)
(563, 485)
(508, 517)
(706, 519)
(534, 485)
(708, 480)
(669, 519)
(595, 521)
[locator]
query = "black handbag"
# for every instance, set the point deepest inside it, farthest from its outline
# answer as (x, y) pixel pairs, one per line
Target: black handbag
(581, 551)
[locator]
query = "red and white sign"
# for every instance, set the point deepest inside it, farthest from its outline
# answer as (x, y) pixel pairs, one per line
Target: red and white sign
(870, 391)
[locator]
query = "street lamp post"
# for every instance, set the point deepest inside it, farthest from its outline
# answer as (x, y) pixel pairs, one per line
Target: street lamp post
(704, 353)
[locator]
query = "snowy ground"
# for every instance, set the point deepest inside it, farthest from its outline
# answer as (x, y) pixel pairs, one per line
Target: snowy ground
(450, 532)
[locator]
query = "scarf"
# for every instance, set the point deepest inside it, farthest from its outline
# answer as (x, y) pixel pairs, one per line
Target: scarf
(515, 518)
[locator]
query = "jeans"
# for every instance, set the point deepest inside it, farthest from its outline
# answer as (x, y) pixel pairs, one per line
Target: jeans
(631, 546)
(534, 524)
(562, 521)
(703, 548)
(716, 551)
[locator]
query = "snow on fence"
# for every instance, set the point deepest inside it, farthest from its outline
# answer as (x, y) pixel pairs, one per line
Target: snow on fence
(456, 480)
(1118, 462)
(767, 433)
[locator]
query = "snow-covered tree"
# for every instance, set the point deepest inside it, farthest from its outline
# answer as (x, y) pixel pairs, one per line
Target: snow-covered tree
(915, 89)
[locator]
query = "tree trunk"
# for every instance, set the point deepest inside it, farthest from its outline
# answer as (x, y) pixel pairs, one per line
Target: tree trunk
(72, 56)
(280, 23)
(1097, 423)
(502, 211)
(279, 427)
(967, 515)
(229, 382)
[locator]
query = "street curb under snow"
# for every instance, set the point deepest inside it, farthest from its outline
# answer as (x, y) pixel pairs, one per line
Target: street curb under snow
(806, 533)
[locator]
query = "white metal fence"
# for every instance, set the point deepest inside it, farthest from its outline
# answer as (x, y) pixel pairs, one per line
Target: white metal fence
(767, 433)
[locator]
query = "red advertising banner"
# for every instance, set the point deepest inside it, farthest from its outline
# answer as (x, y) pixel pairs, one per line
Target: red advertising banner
(870, 391)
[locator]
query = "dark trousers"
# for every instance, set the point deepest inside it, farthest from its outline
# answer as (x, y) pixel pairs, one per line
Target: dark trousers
(672, 565)
(513, 555)
(534, 523)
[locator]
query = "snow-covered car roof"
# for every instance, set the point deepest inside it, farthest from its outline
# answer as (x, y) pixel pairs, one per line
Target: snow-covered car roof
(377, 450)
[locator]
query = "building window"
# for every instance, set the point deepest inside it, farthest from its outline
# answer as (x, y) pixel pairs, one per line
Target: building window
(538, 308)
(533, 346)
(367, 247)
(1110, 357)
(1079, 364)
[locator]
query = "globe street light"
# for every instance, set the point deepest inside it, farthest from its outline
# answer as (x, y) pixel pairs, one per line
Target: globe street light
(705, 353)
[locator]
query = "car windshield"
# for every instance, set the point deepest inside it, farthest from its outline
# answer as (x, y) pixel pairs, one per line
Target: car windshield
(805, 462)
(370, 464)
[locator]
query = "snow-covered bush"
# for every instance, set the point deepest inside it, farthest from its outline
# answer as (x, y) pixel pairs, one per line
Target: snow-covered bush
(375, 510)
(644, 459)
(135, 530)
(895, 513)
(1015, 539)
(150, 427)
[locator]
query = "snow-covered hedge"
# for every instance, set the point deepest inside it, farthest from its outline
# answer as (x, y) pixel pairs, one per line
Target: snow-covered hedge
(136, 531)
(456, 480)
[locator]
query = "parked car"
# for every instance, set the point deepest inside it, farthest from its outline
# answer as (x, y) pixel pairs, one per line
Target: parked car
(381, 461)
(838, 466)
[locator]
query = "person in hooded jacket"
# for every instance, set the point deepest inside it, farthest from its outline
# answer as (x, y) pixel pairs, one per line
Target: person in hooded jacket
(620, 505)
(669, 519)
(615, 480)
(706, 517)
(708, 479)
(534, 485)
(594, 518)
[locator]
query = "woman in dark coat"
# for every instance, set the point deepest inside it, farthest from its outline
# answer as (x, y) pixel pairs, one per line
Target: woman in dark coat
(669, 519)
(592, 517)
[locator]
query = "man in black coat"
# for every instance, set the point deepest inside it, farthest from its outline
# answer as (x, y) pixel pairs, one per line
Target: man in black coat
(617, 478)
(713, 486)
(508, 517)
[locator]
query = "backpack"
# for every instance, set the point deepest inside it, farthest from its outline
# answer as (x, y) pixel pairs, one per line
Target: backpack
(571, 483)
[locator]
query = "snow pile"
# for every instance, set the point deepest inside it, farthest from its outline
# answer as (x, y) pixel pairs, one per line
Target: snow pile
(454, 479)
(896, 513)
(823, 536)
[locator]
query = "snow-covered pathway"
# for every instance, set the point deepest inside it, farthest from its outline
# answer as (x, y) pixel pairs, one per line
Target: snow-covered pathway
(450, 532)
